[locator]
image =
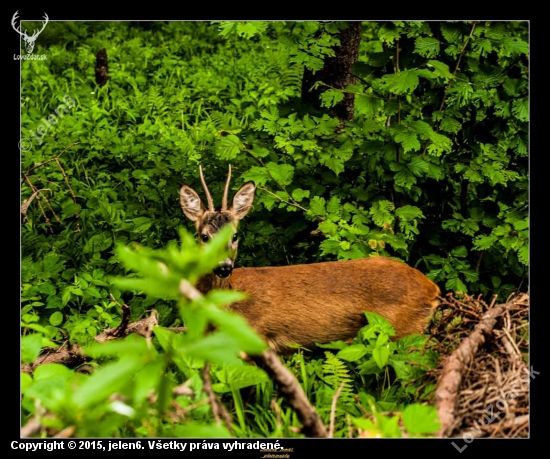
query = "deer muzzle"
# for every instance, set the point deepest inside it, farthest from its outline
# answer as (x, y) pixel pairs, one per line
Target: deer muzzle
(224, 268)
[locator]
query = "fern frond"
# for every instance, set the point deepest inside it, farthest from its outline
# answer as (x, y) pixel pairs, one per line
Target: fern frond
(335, 374)
(155, 100)
(225, 121)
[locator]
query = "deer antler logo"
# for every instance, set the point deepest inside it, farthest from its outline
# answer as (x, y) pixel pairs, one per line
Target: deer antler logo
(29, 40)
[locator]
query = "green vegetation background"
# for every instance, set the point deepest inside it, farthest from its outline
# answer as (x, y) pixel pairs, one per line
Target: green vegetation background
(432, 169)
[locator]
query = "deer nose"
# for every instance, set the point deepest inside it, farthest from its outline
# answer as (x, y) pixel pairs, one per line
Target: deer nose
(223, 270)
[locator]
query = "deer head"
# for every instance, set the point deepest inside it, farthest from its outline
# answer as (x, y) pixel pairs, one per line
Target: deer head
(209, 221)
(29, 40)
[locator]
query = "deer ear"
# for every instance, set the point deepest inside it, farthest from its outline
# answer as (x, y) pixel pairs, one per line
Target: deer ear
(191, 203)
(242, 202)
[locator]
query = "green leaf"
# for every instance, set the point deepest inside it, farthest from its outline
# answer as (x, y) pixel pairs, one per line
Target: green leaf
(451, 32)
(246, 339)
(352, 353)
(520, 108)
(523, 254)
(228, 147)
(381, 355)
(366, 425)
(106, 381)
(330, 246)
(418, 166)
(460, 252)
(412, 341)
(408, 140)
(142, 223)
(281, 173)
(368, 105)
(336, 165)
(378, 322)
(25, 381)
(258, 175)
(409, 213)
(317, 206)
(454, 284)
(389, 33)
(31, 345)
(482, 46)
(131, 345)
(402, 82)
(381, 212)
(298, 194)
(421, 419)
(328, 227)
(441, 70)
(512, 46)
(52, 370)
(426, 46)
(236, 377)
(333, 205)
(485, 242)
(53, 391)
(217, 347)
(449, 124)
(331, 97)
(56, 319)
(470, 227)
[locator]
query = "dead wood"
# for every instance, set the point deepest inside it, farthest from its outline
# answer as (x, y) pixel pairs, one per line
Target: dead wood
(481, 382)
(72, 356)
(290, 388)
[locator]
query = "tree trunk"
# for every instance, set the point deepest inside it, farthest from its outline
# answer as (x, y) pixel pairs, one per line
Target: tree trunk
(336, 73)
(101, 67)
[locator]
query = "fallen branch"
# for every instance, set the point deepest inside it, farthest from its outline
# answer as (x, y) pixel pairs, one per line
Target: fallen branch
(290, 388)
(71, 355)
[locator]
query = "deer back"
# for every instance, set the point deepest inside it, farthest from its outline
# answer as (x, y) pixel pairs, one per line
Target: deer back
(322, 302)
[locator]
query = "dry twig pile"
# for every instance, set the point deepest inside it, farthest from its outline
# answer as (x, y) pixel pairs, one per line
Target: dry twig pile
(483, 373)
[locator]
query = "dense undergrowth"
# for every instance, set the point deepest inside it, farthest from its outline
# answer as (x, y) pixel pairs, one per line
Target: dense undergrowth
(433, 169)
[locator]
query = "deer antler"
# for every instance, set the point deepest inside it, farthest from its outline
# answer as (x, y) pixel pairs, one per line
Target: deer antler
(226, 189)
(206, 192)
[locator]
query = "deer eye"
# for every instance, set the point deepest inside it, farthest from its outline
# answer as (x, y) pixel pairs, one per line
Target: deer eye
(204, 237)
(235, 237)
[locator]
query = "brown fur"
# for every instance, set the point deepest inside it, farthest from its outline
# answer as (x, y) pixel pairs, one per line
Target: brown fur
(322, 302)
(314, 303)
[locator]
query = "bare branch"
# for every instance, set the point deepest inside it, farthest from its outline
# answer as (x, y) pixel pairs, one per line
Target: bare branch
(333, 410)
(290, 388)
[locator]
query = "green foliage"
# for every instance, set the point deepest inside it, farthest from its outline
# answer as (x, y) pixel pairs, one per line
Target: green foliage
(432, 169)
(380, 375)
(131, 389)
(129, 371)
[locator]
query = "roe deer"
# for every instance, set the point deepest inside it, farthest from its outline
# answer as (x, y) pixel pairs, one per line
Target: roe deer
(310, 303)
